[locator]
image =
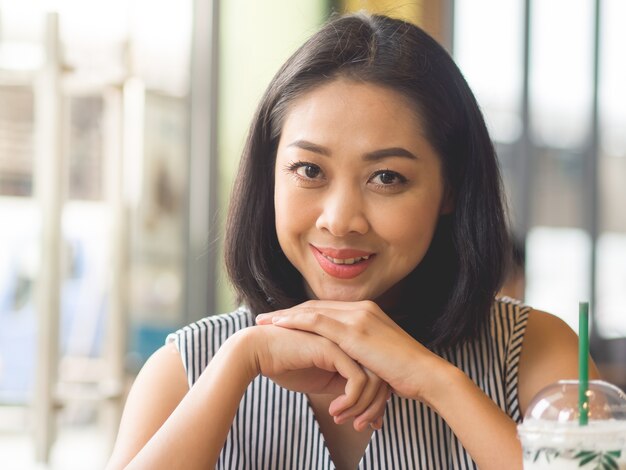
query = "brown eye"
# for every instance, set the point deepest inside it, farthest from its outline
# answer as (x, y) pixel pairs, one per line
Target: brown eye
(308, 171)
(387, 178)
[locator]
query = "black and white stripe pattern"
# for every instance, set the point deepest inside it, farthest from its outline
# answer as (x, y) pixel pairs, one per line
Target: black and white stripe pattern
(275, 428)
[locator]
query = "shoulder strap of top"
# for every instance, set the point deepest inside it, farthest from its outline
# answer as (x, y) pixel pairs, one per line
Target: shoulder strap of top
(512, 317)
(198, 342)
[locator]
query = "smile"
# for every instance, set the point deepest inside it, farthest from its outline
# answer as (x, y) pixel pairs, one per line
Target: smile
(342, 264)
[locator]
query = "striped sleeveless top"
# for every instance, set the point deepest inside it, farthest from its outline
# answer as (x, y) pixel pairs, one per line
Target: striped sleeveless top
(275, 428)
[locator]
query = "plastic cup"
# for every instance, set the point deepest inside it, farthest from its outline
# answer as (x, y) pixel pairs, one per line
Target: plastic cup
(553, 439)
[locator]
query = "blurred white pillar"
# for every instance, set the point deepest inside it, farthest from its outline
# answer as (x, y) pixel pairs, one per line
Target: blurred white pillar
(125, 137)
(50, 171)
(201, 221)
(133, 139)
(116, 326)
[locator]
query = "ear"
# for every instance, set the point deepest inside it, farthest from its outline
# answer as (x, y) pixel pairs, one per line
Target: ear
(447, 203)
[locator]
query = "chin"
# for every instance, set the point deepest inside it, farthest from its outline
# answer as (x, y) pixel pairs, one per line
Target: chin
(344, 295)
(339, 297)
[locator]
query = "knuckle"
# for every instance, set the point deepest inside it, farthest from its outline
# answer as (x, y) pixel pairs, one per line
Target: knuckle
(308, 315)
(360, 328)
(360, 379)
(313, 317)
(372, 378)
(362, 316)
(368, 305)
(307, 310)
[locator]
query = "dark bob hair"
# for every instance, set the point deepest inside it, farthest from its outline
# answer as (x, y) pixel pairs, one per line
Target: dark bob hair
(446, 300)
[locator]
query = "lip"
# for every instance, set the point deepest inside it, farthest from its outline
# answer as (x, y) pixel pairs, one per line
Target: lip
(341, 253)
(341, 271)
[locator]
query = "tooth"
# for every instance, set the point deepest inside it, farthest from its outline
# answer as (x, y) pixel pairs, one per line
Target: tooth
(347, 260)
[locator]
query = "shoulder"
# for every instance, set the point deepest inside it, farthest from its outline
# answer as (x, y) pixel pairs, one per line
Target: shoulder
(549, 353)
(548, 338)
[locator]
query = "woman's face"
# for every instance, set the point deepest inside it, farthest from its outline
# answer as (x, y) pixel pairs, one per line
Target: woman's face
(358, 190)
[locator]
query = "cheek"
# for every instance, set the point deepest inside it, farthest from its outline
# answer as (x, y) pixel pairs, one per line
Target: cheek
(281, 209)
(408, 227)
(293, 216)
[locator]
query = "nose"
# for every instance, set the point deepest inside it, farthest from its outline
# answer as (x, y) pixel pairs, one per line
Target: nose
(343, 212)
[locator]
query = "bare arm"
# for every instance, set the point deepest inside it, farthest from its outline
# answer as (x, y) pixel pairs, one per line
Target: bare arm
(165, 425)
(488, 433)
(157, 390)
(549, 354)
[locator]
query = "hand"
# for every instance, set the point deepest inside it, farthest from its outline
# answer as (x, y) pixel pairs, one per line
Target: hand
(364, 332)
(308, 363)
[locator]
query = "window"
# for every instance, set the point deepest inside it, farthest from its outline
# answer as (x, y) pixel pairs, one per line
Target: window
(562, 152)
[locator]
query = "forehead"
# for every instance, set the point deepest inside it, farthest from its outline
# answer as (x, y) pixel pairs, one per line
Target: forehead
(345, 113)
(365, 100)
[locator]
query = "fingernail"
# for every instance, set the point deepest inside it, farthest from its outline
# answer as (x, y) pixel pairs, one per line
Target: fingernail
(260, 317)
(278, 319)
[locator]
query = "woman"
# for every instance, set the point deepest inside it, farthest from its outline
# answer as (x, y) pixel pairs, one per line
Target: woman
(367, 240)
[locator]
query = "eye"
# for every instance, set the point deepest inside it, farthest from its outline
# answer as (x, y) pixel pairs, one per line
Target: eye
(308, 170)
(305, 174)
(387, 178)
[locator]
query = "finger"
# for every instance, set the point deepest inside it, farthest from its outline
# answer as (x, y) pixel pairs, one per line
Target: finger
(336, 386)
(368, 395)
(350, 307)
(378, 424)
(337, 309)
(321, 323)
(376, 407)
(332, 358)
(373, 415)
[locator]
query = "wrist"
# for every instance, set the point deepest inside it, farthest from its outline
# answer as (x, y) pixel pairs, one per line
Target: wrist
(242, 347)
(444, 384)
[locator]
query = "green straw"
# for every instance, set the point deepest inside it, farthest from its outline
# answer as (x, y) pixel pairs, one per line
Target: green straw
(583, 362)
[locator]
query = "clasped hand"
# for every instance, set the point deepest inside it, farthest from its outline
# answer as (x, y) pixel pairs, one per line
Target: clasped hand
(352, 350)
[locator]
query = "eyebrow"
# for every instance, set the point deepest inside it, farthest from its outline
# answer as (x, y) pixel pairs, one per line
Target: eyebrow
(370, 156)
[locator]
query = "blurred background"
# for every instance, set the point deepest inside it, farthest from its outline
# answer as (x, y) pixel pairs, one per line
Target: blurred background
(121, 125)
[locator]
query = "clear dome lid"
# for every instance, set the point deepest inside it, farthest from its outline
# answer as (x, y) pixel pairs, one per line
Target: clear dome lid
(552, 417)
(558, 402)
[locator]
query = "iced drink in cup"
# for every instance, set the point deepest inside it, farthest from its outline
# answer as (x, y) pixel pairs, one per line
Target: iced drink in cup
(553, 439)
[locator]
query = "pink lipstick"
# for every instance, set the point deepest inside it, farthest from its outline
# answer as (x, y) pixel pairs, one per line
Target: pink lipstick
(342, 263)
